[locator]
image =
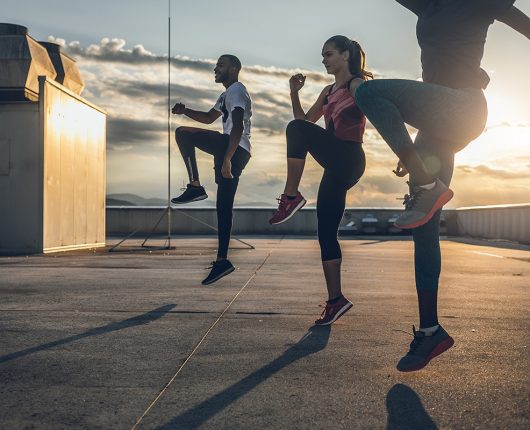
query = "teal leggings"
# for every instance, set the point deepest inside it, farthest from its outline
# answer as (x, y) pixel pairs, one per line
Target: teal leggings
(447, 120)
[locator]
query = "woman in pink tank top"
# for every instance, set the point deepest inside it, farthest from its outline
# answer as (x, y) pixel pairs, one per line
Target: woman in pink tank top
(337, 148)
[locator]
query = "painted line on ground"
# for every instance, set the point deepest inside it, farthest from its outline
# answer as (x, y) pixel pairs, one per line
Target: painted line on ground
(162, 392)
(486, 253)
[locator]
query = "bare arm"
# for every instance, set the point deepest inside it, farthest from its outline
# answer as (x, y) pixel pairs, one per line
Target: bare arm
(298, 111)
(203, 117)
(517, 20)
(295, 84)
(315, 112)
(235, 137)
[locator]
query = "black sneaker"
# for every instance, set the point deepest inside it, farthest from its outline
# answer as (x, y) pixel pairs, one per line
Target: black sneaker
(424, 348)
(219, 269)
(192, 193)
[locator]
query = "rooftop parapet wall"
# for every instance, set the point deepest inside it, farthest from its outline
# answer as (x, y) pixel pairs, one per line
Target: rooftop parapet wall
(510, 222)
(507, 222)
(193, 220)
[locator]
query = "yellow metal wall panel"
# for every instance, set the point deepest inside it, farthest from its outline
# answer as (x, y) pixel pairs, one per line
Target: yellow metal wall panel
(102, 183)
(80, 182)
(52, 129)
(74, 194)
(67, 147)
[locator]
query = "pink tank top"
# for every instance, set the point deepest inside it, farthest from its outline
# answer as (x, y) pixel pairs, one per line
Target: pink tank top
(342, 116)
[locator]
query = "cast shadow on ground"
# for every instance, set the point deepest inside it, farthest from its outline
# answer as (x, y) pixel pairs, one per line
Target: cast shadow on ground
(405, 410)
(312, 342)
(146, 318)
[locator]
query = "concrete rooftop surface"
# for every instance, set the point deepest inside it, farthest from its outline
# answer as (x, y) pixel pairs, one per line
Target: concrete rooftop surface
(98, 340)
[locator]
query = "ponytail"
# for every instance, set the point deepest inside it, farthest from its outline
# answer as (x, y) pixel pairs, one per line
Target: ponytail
(357, 60)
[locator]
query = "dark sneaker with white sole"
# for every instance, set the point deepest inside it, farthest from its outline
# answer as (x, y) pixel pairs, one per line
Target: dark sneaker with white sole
(332, 312)
(192, 193)
(424, 348)
(421, 204)
(218, 270)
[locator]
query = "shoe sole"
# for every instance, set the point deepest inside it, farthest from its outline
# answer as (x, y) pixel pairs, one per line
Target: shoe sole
(340, 313)
(296, 209)
(440, 349)
(442, 200)
(226, 272)
(196, 199)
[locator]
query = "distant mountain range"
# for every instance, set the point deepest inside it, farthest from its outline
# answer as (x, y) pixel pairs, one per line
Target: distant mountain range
(135, 200)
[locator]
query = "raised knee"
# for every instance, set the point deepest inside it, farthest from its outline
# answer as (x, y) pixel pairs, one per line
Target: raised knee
(179, 132)
(294, 126)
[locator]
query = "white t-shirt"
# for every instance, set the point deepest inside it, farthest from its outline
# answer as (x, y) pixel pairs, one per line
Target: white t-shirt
(236, 95)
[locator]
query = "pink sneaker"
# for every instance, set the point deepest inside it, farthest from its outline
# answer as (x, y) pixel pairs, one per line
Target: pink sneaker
(287, 208)
(332, 313)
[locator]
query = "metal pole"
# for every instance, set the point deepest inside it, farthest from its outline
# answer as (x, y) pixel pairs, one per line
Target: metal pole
(169, 125)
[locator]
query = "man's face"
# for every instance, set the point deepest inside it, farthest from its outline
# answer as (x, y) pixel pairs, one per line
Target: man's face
(222, 70)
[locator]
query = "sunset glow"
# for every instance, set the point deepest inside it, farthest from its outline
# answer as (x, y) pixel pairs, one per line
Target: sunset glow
(125, 72)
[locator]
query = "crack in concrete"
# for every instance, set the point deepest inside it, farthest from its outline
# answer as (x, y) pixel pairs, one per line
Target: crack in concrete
(162, 392)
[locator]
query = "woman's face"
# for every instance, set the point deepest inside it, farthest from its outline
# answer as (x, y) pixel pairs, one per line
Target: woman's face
(333, 60)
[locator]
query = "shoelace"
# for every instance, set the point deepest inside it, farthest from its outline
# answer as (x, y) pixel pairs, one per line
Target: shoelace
(212, 264)
(280, 205)
(409, 200)
(417, 339)
(325, 306)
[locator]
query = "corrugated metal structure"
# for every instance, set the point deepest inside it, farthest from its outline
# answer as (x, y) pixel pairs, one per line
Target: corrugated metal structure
(507, 222)
(52, 160)
(22, 61)
(67, 72)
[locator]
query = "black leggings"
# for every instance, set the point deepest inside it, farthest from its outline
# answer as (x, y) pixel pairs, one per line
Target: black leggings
(343, 164)
(215, 144)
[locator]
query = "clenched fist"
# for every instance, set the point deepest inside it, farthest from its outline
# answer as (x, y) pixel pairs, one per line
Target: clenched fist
(296, 82)
(178, 109)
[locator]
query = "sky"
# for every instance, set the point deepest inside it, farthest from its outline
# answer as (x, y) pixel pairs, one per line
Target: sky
(121, 50)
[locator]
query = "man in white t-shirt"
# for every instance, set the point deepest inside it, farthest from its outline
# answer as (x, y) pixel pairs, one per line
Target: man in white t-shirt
(230, 149)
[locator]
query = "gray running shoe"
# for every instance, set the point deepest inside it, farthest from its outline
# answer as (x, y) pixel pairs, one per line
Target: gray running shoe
(424, 348)
(422, 204)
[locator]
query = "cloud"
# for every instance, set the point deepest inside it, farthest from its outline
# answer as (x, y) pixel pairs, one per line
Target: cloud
(126, 131)
(130, 83)
(485, 172)
(505, 124)
(151, 90)
(114, 50)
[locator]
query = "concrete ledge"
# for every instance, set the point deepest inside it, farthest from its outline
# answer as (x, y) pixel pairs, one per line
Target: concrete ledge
(507, 222)
(252, 220)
